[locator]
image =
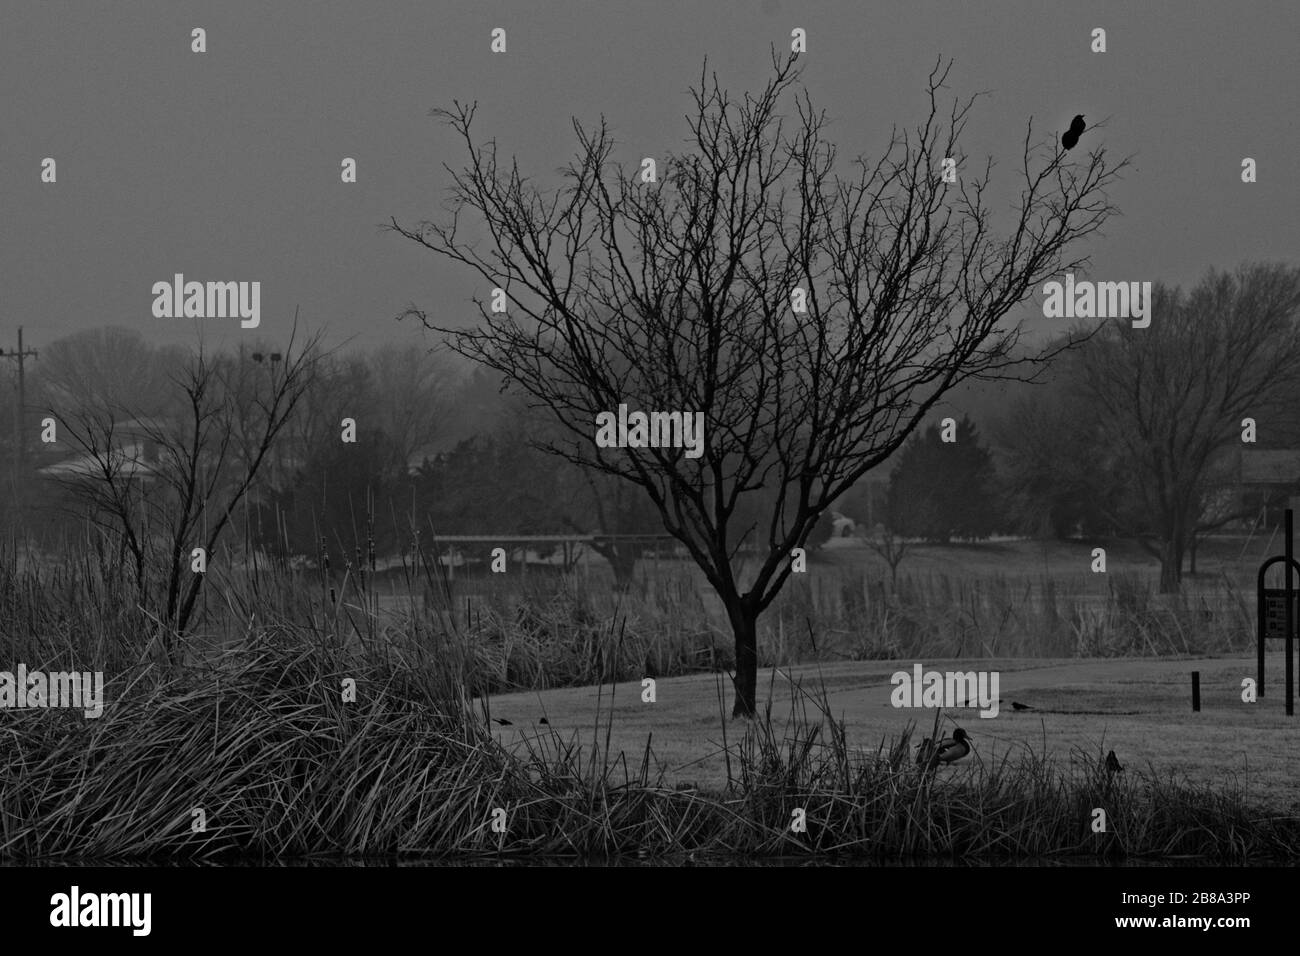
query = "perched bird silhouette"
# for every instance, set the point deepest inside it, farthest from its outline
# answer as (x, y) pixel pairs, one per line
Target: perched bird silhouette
(1070, 138)
(545, 721)
(502, 721)
(946, 751)
(1016, 705)
(1112, 764)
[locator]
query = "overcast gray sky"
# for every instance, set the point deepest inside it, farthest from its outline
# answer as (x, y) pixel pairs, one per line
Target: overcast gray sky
(225, 165)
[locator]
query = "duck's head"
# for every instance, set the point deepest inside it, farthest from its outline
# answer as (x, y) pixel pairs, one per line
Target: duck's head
(960, 736)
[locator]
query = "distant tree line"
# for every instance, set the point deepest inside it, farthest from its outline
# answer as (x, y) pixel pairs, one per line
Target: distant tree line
(436, 450)
(1133, 433)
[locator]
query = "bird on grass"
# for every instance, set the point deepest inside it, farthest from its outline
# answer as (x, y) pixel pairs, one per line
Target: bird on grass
(954, 747)
(1112, 764)
(1016, 705)
(502, 721)
(1070, 138)
(948, 750)
(545, 721)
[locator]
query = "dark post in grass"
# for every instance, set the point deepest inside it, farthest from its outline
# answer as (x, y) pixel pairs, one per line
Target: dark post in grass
(1196, 692)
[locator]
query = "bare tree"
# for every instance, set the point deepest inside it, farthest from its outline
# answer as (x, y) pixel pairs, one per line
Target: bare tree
(109, 366)
(1172, 397)
(678, 294)
(412, 398)
(178, 487)
(619, 518)
(1059, 472)
(891, 548)
(342, 386)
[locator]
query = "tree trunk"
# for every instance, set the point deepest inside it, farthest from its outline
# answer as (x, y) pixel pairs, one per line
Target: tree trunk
(624, 569)
(744, 625)
(1171, 565)
(622, 561)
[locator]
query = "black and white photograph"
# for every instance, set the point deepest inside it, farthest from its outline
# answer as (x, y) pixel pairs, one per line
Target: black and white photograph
(457, 450)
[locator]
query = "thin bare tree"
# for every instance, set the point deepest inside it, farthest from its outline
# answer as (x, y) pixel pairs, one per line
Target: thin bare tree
(892, 548)
(412, 397)
(1172, 398)
(178, 487)
(680, 294)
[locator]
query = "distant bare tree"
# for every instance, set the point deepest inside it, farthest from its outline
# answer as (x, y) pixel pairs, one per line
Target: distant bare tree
(618, 518)
(411, 396)
(198, 463)
(342, 386)
(677, 295)
(1171, 398)
(892, 548)
(109, 367)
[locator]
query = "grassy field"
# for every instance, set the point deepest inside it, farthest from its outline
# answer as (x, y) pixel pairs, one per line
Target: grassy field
(994, 600)
(246, 717)
(1237, 556)
(1140, 708)
(1068, 562)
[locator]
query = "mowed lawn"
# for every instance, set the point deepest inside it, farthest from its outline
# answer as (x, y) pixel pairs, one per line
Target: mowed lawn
(1139, 707)
(1233, 558)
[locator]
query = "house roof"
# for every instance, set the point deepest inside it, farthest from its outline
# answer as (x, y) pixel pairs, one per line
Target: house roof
(128, 460)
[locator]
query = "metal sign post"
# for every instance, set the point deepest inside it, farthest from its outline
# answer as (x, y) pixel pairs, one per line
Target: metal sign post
(1277, 615)
(1290, 619)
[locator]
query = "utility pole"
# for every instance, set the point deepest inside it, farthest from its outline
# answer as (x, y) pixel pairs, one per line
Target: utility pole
(20, 433)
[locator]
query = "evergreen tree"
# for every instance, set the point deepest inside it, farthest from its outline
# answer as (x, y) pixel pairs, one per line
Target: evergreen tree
(944, 490)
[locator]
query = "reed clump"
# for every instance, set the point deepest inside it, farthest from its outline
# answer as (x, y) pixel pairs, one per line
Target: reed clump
(307, 717)
(292, 745)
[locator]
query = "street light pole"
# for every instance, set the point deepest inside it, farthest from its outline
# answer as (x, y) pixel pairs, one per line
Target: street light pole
(274, 358)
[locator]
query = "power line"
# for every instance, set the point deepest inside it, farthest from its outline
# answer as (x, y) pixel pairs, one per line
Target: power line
(20, 433)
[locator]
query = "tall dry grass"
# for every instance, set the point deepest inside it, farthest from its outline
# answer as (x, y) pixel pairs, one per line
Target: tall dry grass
(253, 726)
(544, 633)
(1022, 804)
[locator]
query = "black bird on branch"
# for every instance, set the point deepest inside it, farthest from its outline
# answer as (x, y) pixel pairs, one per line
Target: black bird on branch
(1070, 138)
